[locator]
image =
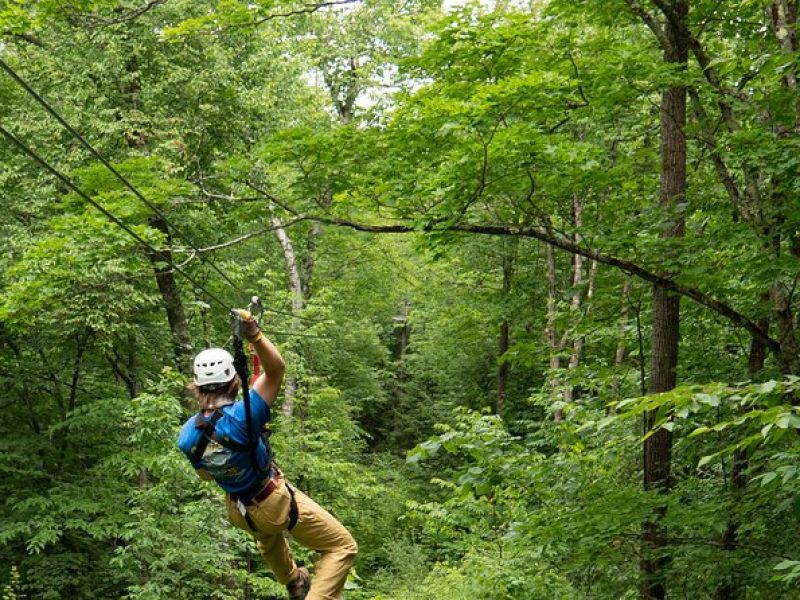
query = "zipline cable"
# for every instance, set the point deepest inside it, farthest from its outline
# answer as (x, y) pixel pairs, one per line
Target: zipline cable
(16, 77)
(66, 180)
(114, 219)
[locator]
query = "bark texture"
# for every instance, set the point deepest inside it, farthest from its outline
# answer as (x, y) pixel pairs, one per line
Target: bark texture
(657, 448)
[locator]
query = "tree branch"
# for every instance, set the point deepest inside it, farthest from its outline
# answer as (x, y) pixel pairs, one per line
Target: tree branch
(24, 37)
(549, 237)
(238, 240)
(304, 10)
(652, 22)
(271, 197)
(123, 18)
(542, 235)
(709, 140)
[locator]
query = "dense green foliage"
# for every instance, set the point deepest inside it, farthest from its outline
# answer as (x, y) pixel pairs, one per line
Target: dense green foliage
(465, 397)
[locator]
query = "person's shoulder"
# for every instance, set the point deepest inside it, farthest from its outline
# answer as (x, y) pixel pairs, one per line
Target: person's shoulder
(256, 397)
(234, 411)
(189, 423)
(257, 407)
(187, 434)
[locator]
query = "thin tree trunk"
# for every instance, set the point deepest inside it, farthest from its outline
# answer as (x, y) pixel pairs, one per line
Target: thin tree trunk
(401, 330)
(657, 448)
(733, 588)
(783, 17)
(171, 296)
(619, 355)
(575, 302)
(307, 273)
(134, 387)
(298, 304)
(502, 370)
(25, 392)
(579, 299)
(550, 333)
(125, 368)
(788, 359)
(81, 342)
(579, 341)
(504, 340)
(783, 14)
(292, 270)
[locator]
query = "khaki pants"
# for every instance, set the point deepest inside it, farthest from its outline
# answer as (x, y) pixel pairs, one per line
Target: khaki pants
(316, 529)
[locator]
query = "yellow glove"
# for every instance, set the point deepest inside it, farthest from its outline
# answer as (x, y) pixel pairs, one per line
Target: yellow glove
(250, 326)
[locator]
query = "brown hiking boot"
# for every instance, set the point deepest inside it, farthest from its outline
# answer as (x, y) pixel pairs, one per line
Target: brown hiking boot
(298, 587)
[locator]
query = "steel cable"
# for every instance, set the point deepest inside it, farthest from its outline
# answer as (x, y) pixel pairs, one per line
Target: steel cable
(114, 219)
(55, 114)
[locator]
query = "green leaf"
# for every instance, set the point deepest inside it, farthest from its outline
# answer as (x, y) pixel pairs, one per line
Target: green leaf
(706, 459)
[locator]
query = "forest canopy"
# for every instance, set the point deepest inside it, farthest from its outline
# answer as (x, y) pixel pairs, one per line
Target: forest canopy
(532, 266)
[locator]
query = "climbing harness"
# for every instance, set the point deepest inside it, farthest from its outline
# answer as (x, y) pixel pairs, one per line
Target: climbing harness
(210, 435)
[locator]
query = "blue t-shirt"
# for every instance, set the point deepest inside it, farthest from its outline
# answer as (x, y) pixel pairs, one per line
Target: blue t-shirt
(232, 470)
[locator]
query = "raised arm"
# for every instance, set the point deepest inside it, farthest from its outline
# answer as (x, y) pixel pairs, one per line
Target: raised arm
(268, 383)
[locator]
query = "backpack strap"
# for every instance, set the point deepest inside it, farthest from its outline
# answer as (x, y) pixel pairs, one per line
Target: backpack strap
(210, 434)
(240, 364)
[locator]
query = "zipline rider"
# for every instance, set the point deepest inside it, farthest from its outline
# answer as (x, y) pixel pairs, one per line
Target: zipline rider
(258, 498)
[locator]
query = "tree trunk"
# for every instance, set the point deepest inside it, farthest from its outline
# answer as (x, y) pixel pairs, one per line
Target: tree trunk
(579, 307)
(619, 355)
(307, 273)
(783, 15)
(401, 331)
(575, 302)
(657, 448)
(298, 304)
(504, 340)
(550, 333)
(732, 589)
(125, 368)
(165, 276)
(134, 387)
(292, 270)
(788, 359)
(171, 296)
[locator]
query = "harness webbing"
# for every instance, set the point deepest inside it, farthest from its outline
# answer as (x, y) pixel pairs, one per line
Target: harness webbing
(294, 512)
(240, 364)
(210, 434)
(200, 423)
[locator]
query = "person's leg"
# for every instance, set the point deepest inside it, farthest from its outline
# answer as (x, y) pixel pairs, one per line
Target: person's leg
(269, 536)
(276, 553)
(319, 530)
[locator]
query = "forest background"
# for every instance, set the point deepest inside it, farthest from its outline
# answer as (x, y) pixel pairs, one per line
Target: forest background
(533, 266)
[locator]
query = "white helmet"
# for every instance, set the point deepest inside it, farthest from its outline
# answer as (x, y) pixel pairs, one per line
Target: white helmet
(214, 365)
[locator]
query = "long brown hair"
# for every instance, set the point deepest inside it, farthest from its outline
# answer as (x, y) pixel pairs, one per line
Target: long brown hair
(210, 400)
